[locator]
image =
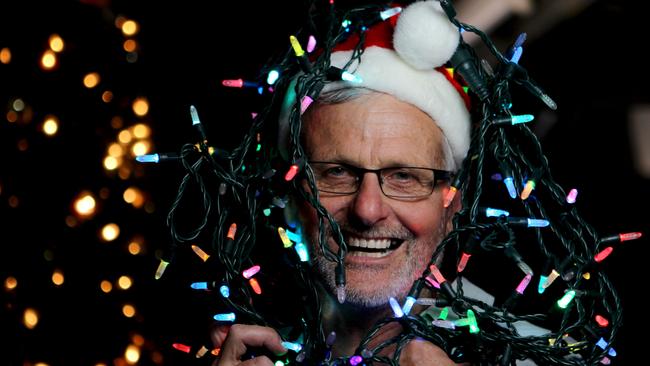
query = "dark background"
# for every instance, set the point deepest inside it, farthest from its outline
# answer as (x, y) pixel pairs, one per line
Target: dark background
(589, 59)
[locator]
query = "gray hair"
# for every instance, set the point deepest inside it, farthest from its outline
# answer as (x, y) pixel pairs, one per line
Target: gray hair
(346, 94)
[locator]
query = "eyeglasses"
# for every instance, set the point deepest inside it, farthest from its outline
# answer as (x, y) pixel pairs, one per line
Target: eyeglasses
(397, 182)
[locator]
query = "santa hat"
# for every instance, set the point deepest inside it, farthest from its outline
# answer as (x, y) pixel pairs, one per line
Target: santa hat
(404, 57)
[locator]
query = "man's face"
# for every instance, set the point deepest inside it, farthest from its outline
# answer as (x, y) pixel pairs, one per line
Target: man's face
(376, 131)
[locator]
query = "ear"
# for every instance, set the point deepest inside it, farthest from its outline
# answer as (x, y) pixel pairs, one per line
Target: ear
(450, 211)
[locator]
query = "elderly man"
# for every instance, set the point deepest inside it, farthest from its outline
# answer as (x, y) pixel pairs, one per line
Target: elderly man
(382, 151)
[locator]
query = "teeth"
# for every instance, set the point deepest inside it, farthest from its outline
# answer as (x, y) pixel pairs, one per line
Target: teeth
(370, 243)
(370, 254)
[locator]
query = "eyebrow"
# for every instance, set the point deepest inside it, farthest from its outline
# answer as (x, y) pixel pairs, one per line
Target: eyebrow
(387, 166)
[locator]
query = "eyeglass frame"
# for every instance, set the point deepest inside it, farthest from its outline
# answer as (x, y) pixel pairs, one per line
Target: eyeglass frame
(361, 172)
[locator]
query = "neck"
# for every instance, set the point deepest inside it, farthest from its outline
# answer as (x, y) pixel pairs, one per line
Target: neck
(351, 323)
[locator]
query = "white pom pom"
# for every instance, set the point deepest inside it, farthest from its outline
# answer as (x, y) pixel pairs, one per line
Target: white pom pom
(424, 37)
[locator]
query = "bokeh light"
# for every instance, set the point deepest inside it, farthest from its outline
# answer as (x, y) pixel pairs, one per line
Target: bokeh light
(50, 125)
(5, 55)
(124, 282)
(91, 80)
(48, 60)
(132, 354)
(110, 232)
(11, 283)
(57, 277)
(128, 310)
(30, 318)
(140, 106)
(130, 27)
(85, 204)
(106, 286)
(56, 43)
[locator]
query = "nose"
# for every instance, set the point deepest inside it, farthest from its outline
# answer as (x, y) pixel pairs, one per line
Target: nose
(369, 206)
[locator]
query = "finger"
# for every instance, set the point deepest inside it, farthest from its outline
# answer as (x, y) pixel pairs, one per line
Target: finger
(218, 334)
(257, 361)
(241, 337)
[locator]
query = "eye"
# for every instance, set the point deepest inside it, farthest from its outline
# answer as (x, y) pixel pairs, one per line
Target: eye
(402, 176)
(336, 171)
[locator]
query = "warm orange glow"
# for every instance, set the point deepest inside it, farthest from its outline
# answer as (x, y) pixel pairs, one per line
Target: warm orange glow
(130, 27)
(137, 339)
(128, 310)
(255, 286)
(56, 43)
(50, 125)
(133, 196)
(124, 136)
(203, 255)
(124, 282)
(91, 80)
(11, 283)
(124, 173)
(12, 116)
(106, 286)
(48, 60)
(115, 150)
(117, 121)
(107, 96)
(141, 131)
(5, 55)
(135, 248)
(140, 148)
(30, 318)
(140, 106)
(110, 232)
(85, 204)
(132, 354)
(57, 277)
(129, 45)
(111, 163)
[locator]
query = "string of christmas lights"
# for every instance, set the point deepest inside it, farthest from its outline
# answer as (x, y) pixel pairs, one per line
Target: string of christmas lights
(518, 219)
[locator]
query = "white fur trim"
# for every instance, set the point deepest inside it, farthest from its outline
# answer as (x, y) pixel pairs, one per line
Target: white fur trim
(424, 37)
(384, 71)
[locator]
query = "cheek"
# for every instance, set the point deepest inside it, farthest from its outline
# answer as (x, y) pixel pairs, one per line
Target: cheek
(309, 217)
(422, 218)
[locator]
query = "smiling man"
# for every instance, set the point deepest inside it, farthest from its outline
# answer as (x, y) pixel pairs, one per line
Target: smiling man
(382, 151)
(381, 170)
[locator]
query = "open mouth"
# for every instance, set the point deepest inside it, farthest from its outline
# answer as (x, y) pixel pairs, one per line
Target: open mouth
(375, 248)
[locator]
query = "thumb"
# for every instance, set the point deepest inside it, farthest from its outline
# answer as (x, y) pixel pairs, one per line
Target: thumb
(219, 334)
(242, 338)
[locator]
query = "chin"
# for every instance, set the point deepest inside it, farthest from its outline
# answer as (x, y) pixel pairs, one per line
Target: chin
(366, 288)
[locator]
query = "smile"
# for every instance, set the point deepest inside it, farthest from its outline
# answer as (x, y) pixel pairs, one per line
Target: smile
(376, 248)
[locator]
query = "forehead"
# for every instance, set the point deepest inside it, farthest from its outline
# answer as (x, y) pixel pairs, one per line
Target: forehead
(374, 130)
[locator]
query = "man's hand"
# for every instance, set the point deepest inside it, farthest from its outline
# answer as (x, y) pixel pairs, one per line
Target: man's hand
(237, 339)
(420, 352)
